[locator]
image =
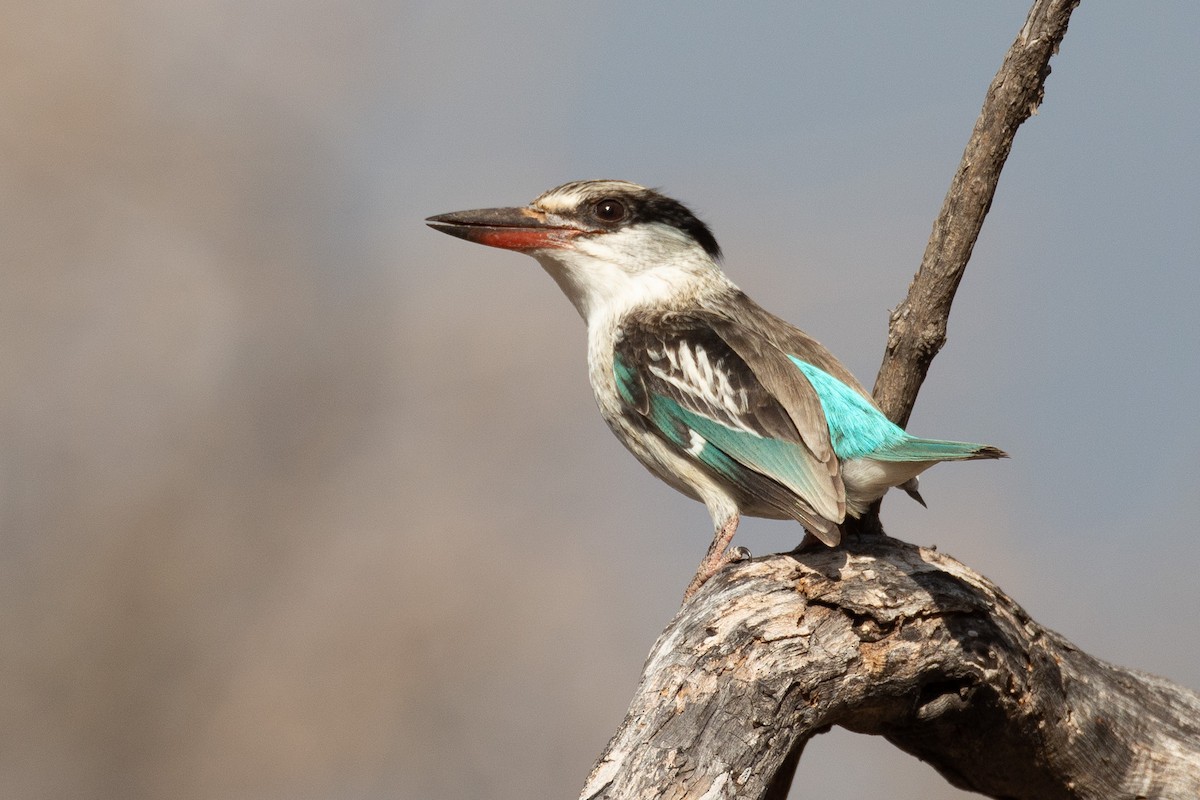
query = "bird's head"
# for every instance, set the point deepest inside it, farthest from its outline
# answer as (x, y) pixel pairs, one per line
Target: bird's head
(610, 245)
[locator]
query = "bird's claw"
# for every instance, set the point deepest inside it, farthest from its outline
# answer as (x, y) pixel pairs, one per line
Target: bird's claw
(738, 554)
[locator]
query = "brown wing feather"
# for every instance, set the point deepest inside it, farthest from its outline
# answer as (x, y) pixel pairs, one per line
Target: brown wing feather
(787, 338)
(777, 402)
(787, 384)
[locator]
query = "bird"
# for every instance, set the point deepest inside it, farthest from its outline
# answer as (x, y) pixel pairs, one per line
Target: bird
(721, 399)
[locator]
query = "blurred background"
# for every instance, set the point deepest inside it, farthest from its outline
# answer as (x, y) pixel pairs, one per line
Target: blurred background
(300, 499)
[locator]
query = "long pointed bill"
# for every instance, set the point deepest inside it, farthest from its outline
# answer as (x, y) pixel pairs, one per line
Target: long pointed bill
(510, 228)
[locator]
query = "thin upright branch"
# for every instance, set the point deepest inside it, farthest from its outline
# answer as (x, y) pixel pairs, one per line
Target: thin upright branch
(917, 330)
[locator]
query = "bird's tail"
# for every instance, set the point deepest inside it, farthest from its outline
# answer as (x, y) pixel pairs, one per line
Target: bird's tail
(914, 449)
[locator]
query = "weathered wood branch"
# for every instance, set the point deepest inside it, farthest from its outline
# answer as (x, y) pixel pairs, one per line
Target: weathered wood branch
(917, 330)
(886, 638)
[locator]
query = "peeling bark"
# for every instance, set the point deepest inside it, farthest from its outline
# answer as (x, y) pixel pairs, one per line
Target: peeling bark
(886, 638)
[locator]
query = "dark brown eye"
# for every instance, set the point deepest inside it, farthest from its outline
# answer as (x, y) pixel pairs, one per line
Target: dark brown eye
(609, 210)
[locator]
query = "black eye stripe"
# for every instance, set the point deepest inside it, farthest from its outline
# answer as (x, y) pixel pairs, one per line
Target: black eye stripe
(654, 207)
(623, 207)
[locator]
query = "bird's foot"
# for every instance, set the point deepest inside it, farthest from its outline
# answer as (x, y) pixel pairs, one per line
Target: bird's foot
(719, 554)
(711, 566)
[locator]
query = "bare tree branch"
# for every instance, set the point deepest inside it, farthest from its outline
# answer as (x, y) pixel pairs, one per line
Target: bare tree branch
(918, 325)
(886, 638)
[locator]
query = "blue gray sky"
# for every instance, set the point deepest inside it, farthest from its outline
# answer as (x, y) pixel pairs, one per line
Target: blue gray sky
(302, 499)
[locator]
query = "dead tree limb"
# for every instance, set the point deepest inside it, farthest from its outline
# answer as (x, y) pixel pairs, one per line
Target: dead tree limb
(886, 638)
(917, 330)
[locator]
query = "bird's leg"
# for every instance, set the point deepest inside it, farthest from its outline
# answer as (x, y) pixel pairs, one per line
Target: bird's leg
(717, 556)
(810, 544)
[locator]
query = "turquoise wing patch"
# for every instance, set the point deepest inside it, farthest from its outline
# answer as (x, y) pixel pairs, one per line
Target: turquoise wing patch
(856, 428)
(779, 459)
(737, 453)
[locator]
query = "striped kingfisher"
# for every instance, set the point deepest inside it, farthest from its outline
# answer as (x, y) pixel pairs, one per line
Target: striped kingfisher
(716, 396)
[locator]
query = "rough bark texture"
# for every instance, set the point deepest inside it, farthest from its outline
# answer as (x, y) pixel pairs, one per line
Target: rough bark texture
(917, 329)
(887, 638)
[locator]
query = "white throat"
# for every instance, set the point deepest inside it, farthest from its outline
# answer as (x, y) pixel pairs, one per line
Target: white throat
(645, 266)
